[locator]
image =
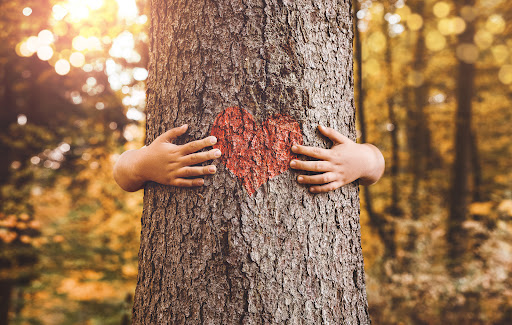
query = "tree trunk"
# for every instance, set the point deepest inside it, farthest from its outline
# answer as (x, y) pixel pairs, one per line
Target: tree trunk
(394, 209)
(418, 131)
(456, 235)
(244, 249)
(5, 301)
(476, 168)
(360, 104)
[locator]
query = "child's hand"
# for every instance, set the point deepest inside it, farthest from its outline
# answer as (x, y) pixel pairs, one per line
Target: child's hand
(345, 162)
(166, 163)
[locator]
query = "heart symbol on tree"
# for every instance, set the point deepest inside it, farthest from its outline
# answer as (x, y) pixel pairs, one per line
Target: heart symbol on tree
(255, 153)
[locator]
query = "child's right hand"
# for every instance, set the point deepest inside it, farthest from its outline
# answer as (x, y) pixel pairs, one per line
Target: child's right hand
(166, 163)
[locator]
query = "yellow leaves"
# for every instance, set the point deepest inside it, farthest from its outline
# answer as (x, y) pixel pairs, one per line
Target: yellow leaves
(404, 12)
(495, 24)
(129, 271)
(451, 26)
(415, 22)
(372, 67)
(483, 39)
(435, 41)
(78, 290)
(505, 74)
(441, 9)
(377, 41)
(500, 53)
(7, 236)
(481, 208)
(505, 208)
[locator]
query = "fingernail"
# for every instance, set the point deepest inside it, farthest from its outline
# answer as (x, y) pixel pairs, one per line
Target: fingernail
(294, 148)
(293, 163)
(217, 153)
(312, 189)
(212, 169)
(200, 182)
(300, 178)
(184, 126)
(213, 140)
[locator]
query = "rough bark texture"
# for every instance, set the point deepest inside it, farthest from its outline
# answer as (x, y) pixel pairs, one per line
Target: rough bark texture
(218, 255)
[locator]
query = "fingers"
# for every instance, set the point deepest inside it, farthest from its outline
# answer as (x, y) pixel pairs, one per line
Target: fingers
(332, 134)
(183, 182)
(312, 166)
(196, 171)
(317, 179)
(197, 145)
(325, 188)
(173, 133)
(200, 157)
(313, 152)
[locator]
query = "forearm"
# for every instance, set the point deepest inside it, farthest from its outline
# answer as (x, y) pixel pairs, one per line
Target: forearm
(375, 165)
(127, 171)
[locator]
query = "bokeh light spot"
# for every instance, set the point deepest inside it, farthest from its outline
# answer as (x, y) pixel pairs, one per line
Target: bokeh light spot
(415, 22)
(45, 53)
(468, 13)
(505, 74)
(62, 67)
(22, 119)
(77, 59)
(483, 39)
(79, 43)
(45, 37)
(441, 9)
(27, 11)
(32, 44)
(467, 53)
(377, 41)
(500, 53)
(435, 41)
(140, 74)
(59, 12)
(495, 24)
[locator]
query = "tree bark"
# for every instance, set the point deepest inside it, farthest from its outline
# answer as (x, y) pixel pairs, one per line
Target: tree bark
(221, 254)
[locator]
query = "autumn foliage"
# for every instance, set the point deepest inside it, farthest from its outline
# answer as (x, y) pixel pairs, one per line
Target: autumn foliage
(72, 89)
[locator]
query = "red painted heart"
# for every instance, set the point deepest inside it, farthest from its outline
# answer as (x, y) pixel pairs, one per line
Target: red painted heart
(255, 153)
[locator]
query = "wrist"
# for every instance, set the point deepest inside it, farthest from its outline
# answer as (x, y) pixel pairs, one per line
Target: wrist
(139, 165)
(374, 165)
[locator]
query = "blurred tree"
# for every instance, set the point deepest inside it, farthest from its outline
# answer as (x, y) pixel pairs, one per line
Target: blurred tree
(456, 234)
(221, 253)
(359, 91)
(394, 209)
(418, 133)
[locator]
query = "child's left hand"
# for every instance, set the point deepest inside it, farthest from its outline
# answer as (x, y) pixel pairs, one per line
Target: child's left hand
(345, 162)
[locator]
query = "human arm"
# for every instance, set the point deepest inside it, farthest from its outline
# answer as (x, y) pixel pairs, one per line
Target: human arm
(343, 163)
(166, 163)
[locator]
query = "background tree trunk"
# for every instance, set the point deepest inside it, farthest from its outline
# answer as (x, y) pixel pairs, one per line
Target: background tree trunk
(360, 102)
(218, 255)
(456, 235)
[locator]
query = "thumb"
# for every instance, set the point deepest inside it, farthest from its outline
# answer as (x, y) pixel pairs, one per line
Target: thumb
(172, 134)
(332, 134)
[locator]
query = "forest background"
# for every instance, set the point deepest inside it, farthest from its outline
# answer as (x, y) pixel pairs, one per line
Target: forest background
(433, 92)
